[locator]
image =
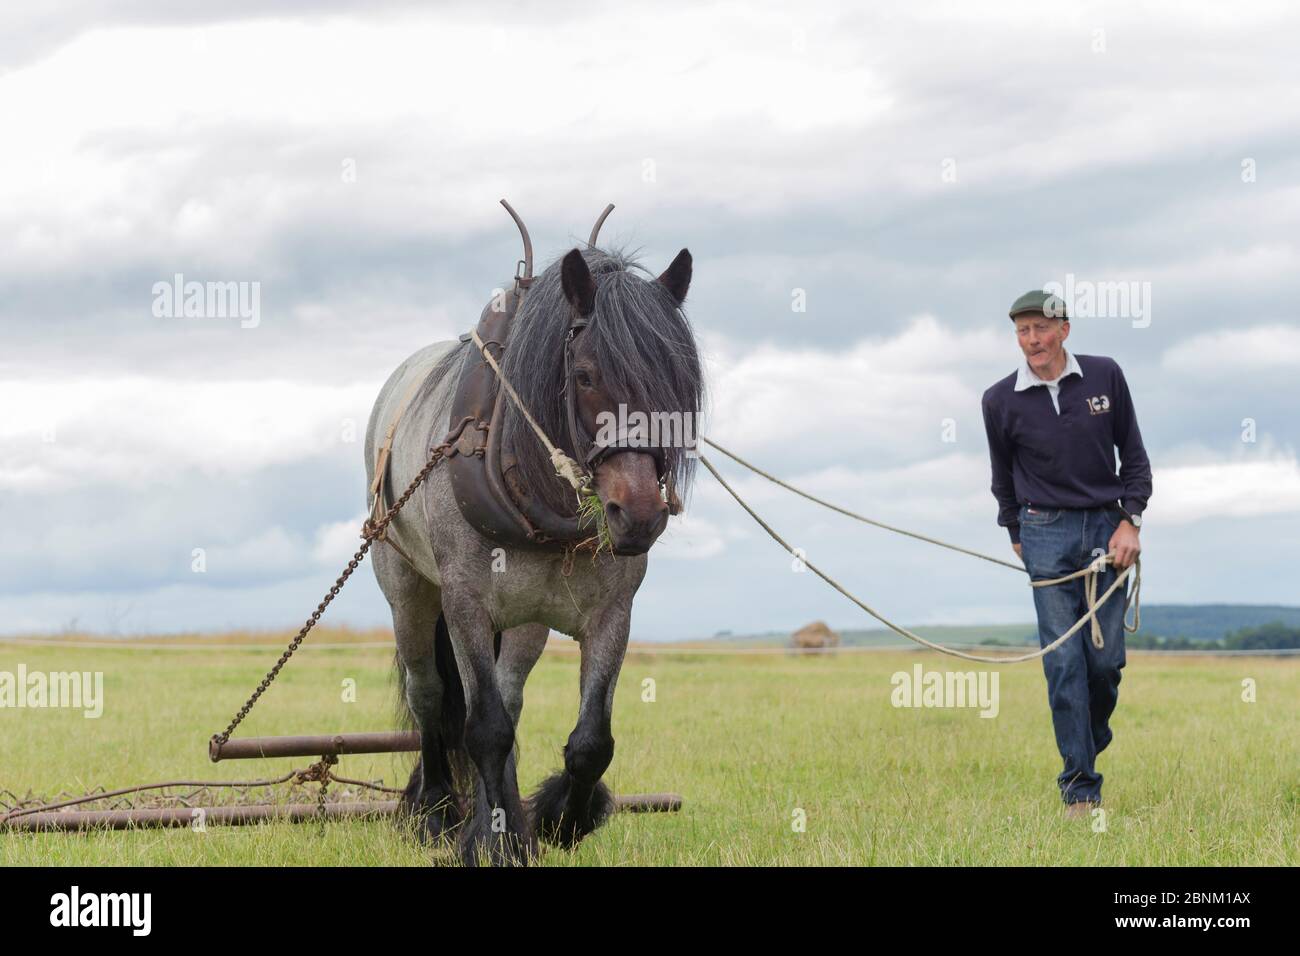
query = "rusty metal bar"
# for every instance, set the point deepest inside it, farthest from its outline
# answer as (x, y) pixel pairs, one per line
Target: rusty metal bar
(77, 820)
(648, 803)
(157, 818)
(317, 745)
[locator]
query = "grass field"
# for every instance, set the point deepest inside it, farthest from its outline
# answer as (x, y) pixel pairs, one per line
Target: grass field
(1195, 775)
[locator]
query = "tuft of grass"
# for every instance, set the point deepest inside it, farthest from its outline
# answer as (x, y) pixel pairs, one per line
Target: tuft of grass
(591, 513)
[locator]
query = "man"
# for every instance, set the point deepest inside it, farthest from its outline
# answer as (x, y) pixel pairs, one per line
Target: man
(1053, 427)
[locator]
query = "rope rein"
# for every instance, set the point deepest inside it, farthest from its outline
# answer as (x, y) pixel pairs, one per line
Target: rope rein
(565, 467)
(853, 514)
(1091, 573)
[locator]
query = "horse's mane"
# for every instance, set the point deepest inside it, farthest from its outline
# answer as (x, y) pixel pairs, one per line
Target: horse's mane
(641, 341)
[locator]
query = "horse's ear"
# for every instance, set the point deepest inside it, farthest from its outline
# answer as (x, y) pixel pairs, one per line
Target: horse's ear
(579, 286)
(677, 277)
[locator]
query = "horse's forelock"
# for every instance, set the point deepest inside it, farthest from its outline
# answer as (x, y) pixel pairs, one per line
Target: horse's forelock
(640, 340)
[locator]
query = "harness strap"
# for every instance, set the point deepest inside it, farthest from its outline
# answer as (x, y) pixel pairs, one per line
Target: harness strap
(379, 508)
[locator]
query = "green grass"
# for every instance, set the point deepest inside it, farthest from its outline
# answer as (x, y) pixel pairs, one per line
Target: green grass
(1195, 776)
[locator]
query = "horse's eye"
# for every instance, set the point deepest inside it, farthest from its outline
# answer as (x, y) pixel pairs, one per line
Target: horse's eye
(582, 378)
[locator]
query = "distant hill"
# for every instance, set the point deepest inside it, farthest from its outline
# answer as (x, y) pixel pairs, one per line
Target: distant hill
(1177, 624)
(1210, 622)
(883, 637)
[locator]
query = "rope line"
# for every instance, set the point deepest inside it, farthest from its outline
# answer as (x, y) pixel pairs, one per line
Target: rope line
(565, 466)
(1133, 598)
(1091, 572)
(853, 514)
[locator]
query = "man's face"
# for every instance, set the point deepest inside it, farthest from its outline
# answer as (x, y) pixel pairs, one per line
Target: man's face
(1041, 339)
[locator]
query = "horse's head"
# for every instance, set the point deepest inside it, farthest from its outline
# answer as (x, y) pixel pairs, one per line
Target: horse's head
(615, 420)
(608, 358)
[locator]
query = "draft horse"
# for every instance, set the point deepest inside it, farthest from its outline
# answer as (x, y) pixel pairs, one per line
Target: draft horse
(493, 551)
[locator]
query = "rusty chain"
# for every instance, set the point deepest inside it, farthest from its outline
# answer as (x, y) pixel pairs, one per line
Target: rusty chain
(319, 771)
(370, 531)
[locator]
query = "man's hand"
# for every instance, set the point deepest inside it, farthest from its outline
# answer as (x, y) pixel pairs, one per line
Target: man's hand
(1124, 545)
(1016, 548)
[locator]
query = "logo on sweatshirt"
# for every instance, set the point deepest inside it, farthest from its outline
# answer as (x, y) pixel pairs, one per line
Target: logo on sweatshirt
(1099, 404)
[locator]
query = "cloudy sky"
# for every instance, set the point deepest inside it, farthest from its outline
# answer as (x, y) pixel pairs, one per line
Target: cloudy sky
(904, 170)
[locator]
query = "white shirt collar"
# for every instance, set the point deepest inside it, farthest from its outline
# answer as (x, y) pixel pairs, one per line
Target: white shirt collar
(1027, 378)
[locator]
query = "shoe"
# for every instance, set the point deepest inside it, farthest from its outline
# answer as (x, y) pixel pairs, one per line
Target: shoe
(1081, 809)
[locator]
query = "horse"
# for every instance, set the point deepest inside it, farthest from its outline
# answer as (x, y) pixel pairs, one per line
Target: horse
(471, 617)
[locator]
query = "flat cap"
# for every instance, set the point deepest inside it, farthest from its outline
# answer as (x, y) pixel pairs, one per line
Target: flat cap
(1044, 303)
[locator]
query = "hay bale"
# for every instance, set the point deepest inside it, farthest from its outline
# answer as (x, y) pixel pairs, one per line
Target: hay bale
(814, 635)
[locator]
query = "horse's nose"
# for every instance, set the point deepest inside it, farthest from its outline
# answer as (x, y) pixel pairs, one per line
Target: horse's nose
(634, 527)
(635, 511)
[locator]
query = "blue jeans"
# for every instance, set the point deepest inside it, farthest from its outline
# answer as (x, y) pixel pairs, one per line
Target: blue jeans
(1082, 680)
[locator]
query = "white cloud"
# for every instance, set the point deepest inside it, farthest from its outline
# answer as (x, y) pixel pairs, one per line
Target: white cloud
(140, 431)
(338, 540)
(1231, 353)
(1234, 489)
(883, 398)
(112, 160)
(741, 106)
(691, 538)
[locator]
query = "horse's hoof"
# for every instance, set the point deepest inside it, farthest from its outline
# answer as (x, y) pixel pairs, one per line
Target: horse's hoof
(480, 845)
(434, 820)
(561, 816)
(500, 849)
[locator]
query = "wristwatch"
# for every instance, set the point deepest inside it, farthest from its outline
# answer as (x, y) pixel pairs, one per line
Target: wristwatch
(1134, 520)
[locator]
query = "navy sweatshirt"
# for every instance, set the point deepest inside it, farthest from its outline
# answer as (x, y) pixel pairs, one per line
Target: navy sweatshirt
(1066, 460)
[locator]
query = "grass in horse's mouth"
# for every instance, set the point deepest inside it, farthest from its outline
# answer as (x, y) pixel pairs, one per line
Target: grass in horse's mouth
(592, 513)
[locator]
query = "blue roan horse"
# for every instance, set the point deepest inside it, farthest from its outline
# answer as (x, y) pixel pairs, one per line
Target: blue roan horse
(471, 618)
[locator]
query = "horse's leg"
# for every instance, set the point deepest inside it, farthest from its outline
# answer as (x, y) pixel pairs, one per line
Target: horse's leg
(574, 802)
(499, 831)
(521, 647)
(416, 604)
